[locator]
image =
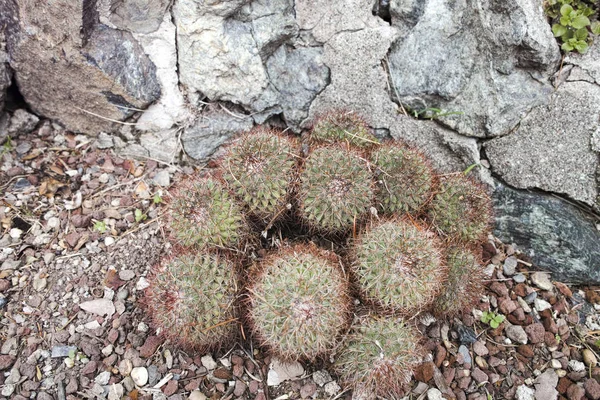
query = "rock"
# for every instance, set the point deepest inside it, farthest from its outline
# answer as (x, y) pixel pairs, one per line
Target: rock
(592, 388)
(208, 362)
(332, 388)
(575, 392)
(104, 141)
(139, 376)
(99, 306)
(545, 386)
(96, 68)
(212, 130)
(115, 391)
(452, 73)
(589, 358)
(321, 377)
(510, 266)
(22, 122)
(62, 351)
(126, 274)
(525, 393)
(434, 394)
(142, 284)
(297, 75)
(541, 304)
(139, 16)
(516, 333)
(102, 378)
(576, 366)
(535, 332)
(539, 154)
(197, 395)
(150, 346)
(554, 234)
(6, 361)
(280, 372)
(542, 280)
(162, 178)
(5, 77)
(125, 367)
(462, 349)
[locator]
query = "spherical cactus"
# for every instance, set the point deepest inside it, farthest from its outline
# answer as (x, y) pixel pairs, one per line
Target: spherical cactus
(464, 285)
(343, 126)
(398, 266)
(298, 302)
(405, 179)
(379, 357)
(203, 214)
(191, 298)
(336, 189)
(260, 168)
(461, 209)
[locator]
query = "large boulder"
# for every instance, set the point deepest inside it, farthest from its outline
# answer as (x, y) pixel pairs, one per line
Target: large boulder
(234, 51)
(5, 72)
(483, 64)
(551, 149)
(73, 69)
(555, 234)
(137, 16)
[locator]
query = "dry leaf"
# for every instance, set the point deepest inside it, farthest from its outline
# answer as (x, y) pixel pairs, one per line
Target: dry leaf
(49, 187)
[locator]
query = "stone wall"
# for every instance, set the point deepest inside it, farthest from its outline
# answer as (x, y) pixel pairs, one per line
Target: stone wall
(485, 78)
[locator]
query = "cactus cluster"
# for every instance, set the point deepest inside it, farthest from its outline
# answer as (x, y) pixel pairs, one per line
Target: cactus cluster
(401, 239)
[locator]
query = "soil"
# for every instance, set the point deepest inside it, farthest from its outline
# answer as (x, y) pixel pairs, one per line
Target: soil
(81, 228)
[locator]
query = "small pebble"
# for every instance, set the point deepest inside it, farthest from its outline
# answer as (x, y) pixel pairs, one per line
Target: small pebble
(126, 274)
(139, 376)
(589, 358)
(576, 366)
(519, 278)
(434, 394)
(510, 266)
(542, 280)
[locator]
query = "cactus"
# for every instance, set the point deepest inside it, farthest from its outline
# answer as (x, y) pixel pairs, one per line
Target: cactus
(259, 168)
(404, 177)
(343, 126)
(298, 302)
(464, 285)
(191, 299)
(461, 209)
(336, 189)
(398, 266)
(379, 358)
(203, 214)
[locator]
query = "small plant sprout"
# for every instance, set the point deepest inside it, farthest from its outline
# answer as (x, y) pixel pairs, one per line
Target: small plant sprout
(157, 199)
(571, 25)
(100, 226)
(492, 319)
(139, 215)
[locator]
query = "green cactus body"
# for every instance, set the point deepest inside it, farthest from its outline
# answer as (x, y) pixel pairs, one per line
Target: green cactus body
(299, 302)
(336, 189)
(343, 126)
(461, 209)
(464, 285)
(398, 266)
(260, 168)
(379, 358)
(404, 177)
(203, 214)
(191, 299)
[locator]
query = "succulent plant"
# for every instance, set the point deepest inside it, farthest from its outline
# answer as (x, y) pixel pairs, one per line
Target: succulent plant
(298, 302)
(405, 179)
(398, 266)
(191, 298)
(260, 168)
(336, 189)
(461, 209)
(343, 126)
(379, 357)
(464, 285)
(203, 214)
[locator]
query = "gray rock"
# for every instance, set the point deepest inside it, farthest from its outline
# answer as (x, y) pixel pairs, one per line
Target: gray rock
(104, 141)
(525, 393)
(140, 16)
(550, 149)
(434, 394)
(5, 71)
(492, 88)
(98, 306)
(555, 234)
(22, 122)
(95, 75)
(516, 333)
(588, 63)
(297, 75)
(62, 351)
(139, 375)
(510, 266)
(519, 278)
(545, 385)
(462, 349)
(162, 178)
(212, 130)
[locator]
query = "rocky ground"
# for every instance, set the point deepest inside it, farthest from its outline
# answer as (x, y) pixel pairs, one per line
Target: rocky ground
(80, 229)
